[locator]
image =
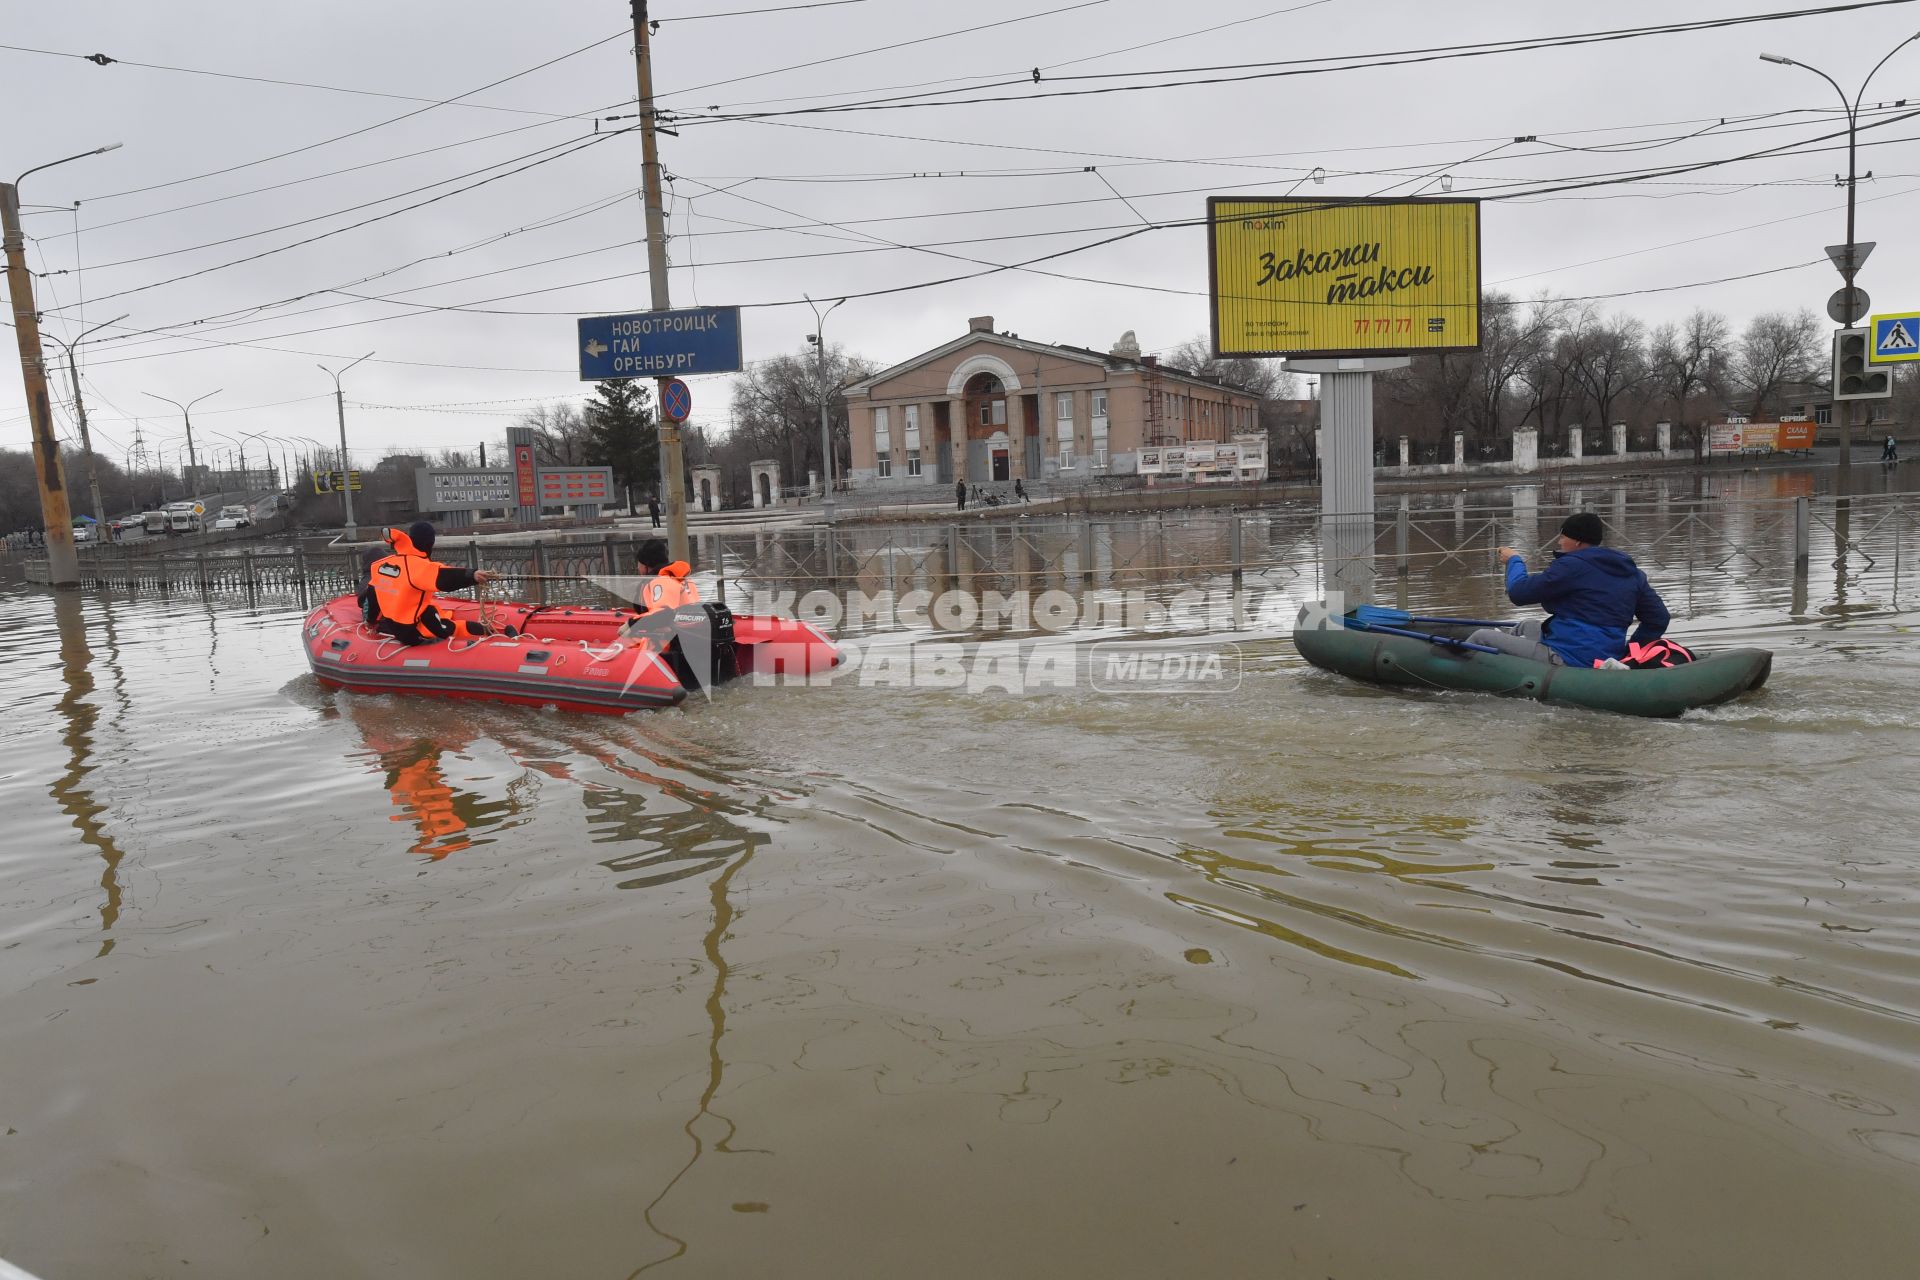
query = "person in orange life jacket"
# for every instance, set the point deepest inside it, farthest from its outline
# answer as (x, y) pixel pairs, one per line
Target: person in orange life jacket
(1590, 593)
(402, 585)
(669, 587)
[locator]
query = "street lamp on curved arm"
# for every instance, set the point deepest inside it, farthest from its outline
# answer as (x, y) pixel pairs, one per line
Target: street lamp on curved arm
(819, 339)
(1855, 305)
(186, 413)
(346, 465)
(80, 417)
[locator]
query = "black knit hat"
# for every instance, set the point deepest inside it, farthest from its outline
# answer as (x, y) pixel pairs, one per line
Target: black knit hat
(420, 532)
(652, 554)
(1584, 526)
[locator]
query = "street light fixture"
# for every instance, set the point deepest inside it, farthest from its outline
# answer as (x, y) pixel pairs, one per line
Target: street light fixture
(63, 560)
(186, 412)
(819, 340)
(80, 416)
(1849, 263)
(346, 467)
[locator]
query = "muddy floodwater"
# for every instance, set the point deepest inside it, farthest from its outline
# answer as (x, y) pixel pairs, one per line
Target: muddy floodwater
(1296, 979)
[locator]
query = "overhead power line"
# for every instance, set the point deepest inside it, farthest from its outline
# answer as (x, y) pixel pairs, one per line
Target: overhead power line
(623, 33)
(594, 141)
(887, 48)
(1293, 67)
(750, 13)
(103, 60)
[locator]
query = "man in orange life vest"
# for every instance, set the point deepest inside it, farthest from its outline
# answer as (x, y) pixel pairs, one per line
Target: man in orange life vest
(403, 584)
(669, 587)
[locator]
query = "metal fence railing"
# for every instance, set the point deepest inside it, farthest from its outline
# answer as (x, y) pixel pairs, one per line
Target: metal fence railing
(1703, 552)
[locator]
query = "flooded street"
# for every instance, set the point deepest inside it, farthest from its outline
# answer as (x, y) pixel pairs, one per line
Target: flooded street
(1305, 979)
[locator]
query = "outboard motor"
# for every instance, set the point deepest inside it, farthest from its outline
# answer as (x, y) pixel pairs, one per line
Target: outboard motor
(702, 654)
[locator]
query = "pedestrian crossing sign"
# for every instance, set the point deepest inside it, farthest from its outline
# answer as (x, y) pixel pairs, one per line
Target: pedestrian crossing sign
(1896, 338)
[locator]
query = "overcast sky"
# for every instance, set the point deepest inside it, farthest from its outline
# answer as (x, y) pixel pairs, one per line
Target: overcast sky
(764, 212)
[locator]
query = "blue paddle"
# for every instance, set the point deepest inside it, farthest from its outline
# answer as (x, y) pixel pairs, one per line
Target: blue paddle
(1448, 641)
(1373, 614)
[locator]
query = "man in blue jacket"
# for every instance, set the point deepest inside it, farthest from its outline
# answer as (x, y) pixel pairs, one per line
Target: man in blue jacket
(1590, 592)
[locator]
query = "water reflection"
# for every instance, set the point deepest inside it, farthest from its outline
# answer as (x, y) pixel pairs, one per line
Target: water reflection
(445, 818)
(79, 715)
(717, 932)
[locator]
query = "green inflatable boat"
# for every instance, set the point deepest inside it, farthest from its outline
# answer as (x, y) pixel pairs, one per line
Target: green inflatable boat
(1437, 657)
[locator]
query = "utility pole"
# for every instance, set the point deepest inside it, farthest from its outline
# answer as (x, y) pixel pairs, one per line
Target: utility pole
(671, 459)
(101, 527)
(346, 468)
(63, 561)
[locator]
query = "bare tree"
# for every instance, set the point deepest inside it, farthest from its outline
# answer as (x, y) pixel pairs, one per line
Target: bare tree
(1777, 348)
(776, 405)
(1689, 361)
(561, 437)
(1513, 337)
(1263, 378)
(1607, 359)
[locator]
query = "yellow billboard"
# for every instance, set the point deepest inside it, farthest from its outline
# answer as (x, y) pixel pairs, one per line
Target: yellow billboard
(1343, 277)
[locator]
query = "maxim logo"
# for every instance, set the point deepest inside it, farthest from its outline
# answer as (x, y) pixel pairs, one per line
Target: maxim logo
(1265, 224)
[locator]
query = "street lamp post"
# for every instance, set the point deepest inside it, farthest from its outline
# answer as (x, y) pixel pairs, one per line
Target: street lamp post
(80, 416)
(186, 413)
(819, 339)
(63, 561)
(346, 470)
(1850, 258)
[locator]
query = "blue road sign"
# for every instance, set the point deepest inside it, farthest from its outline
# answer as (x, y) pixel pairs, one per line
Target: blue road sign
(660, 344)
(676, 400)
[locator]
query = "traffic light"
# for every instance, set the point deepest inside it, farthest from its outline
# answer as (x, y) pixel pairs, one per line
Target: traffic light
(1853, 377)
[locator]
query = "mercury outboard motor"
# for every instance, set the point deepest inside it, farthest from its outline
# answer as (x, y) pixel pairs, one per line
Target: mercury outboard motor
(702, 653)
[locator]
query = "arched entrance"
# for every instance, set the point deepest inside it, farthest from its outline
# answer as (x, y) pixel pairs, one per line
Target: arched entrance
(766, 489)
(986, 400)
(706, 494)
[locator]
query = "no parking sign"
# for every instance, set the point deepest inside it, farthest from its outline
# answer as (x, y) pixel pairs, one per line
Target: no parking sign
(676, 400)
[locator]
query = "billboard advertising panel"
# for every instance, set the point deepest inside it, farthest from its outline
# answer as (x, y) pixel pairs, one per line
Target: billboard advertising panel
(523, 475)
(572, 486)
(1331, 278)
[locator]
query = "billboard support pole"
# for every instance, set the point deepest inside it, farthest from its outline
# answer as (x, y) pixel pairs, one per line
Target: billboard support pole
(1346, 469)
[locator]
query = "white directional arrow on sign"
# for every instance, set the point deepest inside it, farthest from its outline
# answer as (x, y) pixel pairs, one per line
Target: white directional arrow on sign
(597, 348)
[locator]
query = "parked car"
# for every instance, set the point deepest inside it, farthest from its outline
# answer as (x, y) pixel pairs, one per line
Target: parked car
(83, 533)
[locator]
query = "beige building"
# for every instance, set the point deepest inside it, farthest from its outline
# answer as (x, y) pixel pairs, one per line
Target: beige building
(994, 407)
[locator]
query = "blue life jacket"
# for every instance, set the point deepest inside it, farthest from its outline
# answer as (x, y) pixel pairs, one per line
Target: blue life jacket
(1591, 596)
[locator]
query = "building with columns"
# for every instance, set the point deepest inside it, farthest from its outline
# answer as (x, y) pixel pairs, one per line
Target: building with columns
(990, 407)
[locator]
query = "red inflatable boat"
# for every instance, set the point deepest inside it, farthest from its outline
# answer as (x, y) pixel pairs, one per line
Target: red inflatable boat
(565, 656)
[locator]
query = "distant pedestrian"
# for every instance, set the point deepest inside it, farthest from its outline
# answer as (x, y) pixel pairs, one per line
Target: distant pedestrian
(960, 493)
(1890, 451)
(1019, 490)
(653, 510)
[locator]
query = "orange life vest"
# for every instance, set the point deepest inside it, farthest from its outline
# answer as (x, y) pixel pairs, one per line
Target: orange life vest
(404, 581)
(669, 589)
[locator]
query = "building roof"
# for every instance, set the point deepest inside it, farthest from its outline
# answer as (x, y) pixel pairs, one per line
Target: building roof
(1083, 355)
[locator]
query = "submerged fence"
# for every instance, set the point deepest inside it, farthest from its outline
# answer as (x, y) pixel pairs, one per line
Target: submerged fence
(1823, 553)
